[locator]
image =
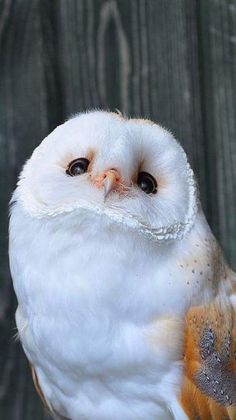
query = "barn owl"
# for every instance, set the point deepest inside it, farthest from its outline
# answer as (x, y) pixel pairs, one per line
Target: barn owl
(126, 306)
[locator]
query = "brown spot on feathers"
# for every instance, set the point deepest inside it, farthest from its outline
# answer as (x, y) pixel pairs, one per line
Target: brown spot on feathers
(64, 162)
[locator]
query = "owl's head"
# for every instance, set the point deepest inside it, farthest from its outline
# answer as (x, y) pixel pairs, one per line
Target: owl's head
(131, 171)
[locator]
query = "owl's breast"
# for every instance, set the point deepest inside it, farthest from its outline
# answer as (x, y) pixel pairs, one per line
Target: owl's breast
(125, 366)
(100, 310)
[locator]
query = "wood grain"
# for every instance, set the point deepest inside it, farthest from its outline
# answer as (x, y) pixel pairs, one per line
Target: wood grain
(173, 61)
(217, 34)
(24, 120)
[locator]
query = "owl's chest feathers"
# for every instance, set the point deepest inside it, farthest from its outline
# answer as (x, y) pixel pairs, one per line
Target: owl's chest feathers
(92, 311)
(102, 305)
(101, 287)
(98, 281)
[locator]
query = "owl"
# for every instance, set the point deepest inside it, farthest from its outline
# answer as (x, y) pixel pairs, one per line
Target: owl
(126, 306)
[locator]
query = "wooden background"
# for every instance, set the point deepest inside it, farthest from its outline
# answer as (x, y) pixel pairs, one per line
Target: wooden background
(171, 60)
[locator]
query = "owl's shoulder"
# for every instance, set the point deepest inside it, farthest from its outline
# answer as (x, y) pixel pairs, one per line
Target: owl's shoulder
(209, 388)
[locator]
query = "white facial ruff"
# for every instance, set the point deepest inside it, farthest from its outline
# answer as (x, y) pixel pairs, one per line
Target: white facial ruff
(173, 231)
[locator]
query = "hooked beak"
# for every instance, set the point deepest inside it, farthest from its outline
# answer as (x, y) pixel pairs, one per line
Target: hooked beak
(110, 181)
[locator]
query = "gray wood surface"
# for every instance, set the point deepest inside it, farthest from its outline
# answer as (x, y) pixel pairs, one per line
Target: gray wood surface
(170, 60)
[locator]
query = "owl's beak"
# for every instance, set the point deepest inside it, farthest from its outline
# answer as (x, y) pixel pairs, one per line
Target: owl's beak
(110, 181)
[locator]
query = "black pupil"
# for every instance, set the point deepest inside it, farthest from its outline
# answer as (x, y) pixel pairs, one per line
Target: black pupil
(147, 183)
(78, 167)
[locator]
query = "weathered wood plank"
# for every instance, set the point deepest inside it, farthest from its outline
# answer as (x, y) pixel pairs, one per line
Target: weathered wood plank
(25, 94)
(217, 30)
(174, 86)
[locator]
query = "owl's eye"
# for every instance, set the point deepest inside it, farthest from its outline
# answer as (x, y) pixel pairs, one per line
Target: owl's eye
(77, 166)
(147, 183)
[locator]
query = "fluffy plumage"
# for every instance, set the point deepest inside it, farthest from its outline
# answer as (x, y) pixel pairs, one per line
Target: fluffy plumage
(108, 289)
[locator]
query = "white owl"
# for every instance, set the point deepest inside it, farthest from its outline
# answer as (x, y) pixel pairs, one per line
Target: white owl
(126, 305)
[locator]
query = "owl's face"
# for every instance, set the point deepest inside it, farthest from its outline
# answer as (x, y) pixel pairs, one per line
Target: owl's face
(132, 171)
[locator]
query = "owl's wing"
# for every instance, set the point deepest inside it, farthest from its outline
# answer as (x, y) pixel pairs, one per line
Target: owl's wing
(209, 388)
(46, 404)
(39, 390)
